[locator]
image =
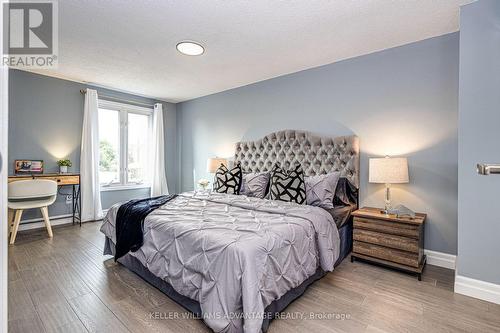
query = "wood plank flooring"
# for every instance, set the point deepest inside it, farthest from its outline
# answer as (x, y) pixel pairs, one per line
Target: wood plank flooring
(65, 284)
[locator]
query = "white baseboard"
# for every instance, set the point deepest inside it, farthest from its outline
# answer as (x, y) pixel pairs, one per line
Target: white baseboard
(441, 259)
(38, 222)
(478, 289)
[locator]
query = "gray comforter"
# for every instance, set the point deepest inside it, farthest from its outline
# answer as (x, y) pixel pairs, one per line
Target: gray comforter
(234, 254)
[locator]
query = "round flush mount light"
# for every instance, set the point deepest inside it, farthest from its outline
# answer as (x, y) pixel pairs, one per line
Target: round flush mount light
(190, 48)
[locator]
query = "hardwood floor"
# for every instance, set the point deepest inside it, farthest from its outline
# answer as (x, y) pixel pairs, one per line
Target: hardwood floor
(65, 284)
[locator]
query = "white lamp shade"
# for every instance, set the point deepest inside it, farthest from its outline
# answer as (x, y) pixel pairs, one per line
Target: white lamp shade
(388, 170)
(214, 163)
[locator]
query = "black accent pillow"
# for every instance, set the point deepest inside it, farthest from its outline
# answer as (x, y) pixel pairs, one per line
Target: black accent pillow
(228, 181)
(288, 185)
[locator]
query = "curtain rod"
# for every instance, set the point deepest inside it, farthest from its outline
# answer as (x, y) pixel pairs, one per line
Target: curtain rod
(118, 99)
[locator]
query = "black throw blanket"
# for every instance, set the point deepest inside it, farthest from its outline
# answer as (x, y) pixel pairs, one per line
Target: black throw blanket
(130, 223)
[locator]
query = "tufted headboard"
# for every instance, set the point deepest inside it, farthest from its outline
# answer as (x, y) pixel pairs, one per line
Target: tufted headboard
(317, 155)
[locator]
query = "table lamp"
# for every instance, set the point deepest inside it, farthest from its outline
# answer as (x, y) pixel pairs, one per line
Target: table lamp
(388, 171)
(214, 163)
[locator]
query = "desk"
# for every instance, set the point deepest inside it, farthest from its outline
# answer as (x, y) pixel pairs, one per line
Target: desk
(62, 179)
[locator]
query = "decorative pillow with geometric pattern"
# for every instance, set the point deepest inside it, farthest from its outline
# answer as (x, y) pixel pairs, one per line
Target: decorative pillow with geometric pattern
(288, 185)
(228, 181)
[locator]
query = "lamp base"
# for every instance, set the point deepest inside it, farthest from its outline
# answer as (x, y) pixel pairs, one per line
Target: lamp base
(388, 212)
(387, 205)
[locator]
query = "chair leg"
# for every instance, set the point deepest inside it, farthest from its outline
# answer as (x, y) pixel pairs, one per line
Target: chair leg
(17, 219)
(45, 213)
(10, 217)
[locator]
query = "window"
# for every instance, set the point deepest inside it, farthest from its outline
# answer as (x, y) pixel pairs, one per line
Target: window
(109, 146)
(125, 133)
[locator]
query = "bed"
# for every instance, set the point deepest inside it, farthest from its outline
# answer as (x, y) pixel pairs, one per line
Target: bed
(236, 261)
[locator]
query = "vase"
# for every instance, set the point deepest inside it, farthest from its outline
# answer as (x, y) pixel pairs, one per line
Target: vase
(63, 169)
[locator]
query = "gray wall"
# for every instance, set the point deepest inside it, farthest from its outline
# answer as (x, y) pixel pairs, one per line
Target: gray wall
(400, 101)
(45, 122)
(479, 138)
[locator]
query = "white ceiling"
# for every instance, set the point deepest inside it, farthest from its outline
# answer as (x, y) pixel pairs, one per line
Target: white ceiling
(130, 44)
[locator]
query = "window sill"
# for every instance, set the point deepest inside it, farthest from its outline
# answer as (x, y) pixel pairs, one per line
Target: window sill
(124, 187)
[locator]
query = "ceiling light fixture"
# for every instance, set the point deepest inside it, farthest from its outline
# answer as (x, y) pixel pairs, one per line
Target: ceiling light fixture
(190, 48)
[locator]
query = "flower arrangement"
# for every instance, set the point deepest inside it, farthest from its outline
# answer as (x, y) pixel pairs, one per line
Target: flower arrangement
(63, 165)
(203, 183)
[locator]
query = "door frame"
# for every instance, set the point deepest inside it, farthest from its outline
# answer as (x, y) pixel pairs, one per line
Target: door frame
(4, 105)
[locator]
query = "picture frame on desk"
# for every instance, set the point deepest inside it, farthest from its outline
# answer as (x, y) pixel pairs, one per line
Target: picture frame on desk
(28, 167)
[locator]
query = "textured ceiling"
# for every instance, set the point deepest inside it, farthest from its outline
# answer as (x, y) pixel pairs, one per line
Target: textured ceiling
(130, 44)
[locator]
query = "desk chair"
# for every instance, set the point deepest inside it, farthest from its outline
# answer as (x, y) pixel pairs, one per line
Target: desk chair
(27, 194)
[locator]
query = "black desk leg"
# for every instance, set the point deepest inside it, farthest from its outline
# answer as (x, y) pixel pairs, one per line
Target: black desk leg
(79, 205)
(73, 203)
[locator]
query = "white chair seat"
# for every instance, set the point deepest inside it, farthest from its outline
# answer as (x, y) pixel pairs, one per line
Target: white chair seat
(30, 204)
(27, 194)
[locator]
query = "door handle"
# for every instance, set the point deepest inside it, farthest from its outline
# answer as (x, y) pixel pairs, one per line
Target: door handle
(487, 169)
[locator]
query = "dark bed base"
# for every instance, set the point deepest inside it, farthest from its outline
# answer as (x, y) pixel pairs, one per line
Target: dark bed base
(275, 307)
(345, 233)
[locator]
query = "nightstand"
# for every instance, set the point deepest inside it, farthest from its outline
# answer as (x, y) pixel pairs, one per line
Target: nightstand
(389, 240)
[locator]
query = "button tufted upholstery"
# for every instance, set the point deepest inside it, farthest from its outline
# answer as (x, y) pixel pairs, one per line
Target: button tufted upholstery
(317, 155)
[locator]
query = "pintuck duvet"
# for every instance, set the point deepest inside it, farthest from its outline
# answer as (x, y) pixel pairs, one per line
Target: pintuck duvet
(234, 254)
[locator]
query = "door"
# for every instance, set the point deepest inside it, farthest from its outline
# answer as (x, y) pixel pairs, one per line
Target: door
(479, 138)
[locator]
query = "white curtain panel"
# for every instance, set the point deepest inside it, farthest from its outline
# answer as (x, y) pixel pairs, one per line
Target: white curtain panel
(89, 160)
(159, 181)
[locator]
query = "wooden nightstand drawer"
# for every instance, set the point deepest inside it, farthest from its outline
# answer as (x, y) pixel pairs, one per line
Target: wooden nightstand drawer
(387, 240)
(397, 256)
(387, 227)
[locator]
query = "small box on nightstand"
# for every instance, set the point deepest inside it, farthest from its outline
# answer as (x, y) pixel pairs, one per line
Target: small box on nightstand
(393, 241)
